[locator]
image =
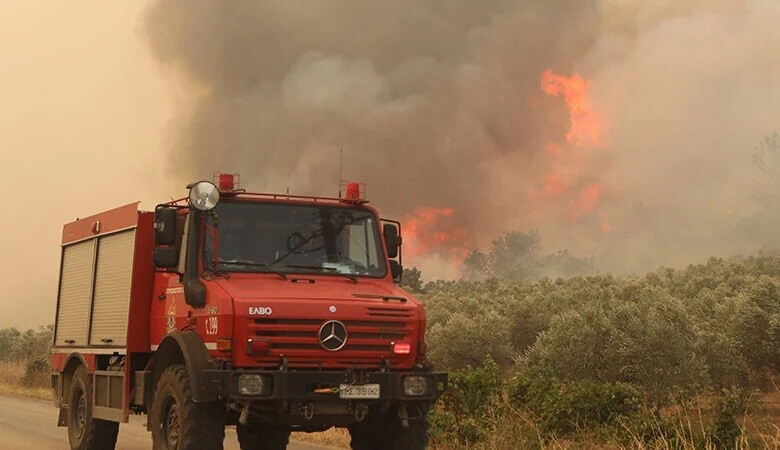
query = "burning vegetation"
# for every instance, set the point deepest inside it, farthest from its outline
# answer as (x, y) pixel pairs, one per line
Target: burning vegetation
(436, 230)
(562, 193)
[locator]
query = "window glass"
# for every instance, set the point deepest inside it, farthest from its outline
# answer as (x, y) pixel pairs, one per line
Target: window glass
(258, 237)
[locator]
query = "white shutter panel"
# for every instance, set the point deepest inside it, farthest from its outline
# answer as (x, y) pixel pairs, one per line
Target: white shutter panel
(113, 281)
(75, 293)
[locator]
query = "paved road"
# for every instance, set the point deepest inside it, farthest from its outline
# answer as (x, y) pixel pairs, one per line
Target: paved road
(32, 424)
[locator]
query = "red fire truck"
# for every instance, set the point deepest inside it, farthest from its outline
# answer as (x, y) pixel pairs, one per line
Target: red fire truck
(273, 313)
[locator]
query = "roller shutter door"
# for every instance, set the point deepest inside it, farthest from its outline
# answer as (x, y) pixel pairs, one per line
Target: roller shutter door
(113, 280)
(75, 293)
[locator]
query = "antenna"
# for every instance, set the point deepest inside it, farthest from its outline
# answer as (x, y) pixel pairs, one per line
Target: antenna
(341, 166)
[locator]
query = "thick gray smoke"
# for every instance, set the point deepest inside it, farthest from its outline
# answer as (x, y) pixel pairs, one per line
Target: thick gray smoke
(438, 104)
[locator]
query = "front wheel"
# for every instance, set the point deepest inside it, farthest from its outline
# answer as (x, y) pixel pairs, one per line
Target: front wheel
(178, 423)
(84, 432)
(388, 432)
(255, 436)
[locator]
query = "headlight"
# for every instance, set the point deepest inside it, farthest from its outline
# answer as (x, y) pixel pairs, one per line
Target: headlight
(250, 384)
(204, 196)
(415, 386)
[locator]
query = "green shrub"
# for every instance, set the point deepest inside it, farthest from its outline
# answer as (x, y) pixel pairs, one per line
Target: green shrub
(464, 412)
(670, 334)
(563, 408)
(16, 345)
(36, 373)
(464, 340)
(758, 325)
(730, 404)
(645, 337)
(31, 347)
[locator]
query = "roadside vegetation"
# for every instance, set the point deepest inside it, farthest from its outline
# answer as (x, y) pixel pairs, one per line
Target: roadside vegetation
(670, 359)
(24, 362)
(686, 359)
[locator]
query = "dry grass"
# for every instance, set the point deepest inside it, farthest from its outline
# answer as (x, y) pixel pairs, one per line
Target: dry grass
(688, 425)
(519, 433)
(11, 372)
(11, 375)
(685, 430)
(334, 437)
(761, 430)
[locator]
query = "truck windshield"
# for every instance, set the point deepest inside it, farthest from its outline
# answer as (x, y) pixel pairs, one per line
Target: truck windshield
(291, 238)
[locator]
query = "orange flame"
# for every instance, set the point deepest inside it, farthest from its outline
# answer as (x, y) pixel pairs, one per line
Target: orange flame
(586, 127)
(587, 200)
(563, 187)
(606, 226)
(435, 230)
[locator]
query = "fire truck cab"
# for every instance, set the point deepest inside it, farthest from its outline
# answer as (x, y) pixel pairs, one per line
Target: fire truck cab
(273, 313)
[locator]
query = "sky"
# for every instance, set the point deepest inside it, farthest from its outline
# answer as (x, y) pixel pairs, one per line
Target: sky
(84, 114)
(625, 131)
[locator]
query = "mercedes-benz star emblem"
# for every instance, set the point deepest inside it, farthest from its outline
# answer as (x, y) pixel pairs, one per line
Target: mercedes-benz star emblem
(333, 335)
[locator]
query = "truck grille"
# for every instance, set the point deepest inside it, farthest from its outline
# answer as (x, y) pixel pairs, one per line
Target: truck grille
(373, 333)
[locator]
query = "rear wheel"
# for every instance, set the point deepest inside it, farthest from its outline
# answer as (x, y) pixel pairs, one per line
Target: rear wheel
(387, 432)
(256, 436)
(84, 432)
(178, 423)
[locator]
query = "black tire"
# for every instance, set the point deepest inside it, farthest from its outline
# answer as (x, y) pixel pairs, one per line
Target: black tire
(257, 436)
(84, 432)
(388, 433)
(178, 423)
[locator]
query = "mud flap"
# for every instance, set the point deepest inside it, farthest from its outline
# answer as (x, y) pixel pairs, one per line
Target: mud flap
(62, 420)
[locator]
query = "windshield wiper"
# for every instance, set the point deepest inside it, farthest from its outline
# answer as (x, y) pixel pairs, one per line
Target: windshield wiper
(296, 248)
(242, 262)
(333, 270)
(313, 235)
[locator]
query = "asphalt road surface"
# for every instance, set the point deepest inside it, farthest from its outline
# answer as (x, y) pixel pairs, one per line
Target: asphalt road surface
(32, 424)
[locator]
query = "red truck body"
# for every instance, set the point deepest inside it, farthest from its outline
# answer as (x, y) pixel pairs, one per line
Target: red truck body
(124, 320)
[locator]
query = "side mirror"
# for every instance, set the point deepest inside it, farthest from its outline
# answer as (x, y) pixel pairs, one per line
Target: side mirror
(396, 270)
(194, 290)
(392, 239)
(165, 257)
(165, 226)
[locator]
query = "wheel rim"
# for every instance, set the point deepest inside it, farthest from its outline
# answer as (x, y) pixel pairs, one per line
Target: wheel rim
(79, 419)
(171, 424)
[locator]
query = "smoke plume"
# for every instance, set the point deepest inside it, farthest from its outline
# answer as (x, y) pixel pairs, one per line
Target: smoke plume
(486, 111)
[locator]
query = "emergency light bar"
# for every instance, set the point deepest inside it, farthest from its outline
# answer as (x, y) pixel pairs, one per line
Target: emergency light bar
(227, 182)
(354, 192)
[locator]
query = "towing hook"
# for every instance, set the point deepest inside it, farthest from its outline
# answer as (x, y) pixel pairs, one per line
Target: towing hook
(243, 418)
(361, 411)
(403, 414)
(308, 411)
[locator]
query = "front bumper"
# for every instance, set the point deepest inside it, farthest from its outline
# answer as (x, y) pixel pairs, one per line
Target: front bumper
(285, 386)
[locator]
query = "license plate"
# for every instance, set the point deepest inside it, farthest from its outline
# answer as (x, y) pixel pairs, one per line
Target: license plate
(359, 391)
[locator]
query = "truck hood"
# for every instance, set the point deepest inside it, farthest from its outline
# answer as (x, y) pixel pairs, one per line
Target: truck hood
(254, 287)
